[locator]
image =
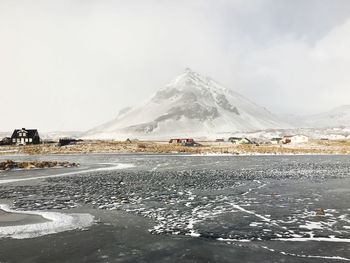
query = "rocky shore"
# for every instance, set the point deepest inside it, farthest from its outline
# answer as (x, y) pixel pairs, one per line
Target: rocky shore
(9, 165)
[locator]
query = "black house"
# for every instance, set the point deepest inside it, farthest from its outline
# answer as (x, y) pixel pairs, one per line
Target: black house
(24, 136)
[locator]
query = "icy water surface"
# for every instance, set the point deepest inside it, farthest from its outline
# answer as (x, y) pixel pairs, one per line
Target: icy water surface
(158, 208)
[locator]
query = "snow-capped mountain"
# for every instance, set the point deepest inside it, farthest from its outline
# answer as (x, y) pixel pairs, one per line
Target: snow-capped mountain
(190, 105)
(337, 117)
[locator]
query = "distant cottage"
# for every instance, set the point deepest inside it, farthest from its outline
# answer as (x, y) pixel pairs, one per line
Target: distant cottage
(66, 141)
(237, 140)
(295, 139)
(234, 140)
(24, 136)
(183, 141)
(276, 140)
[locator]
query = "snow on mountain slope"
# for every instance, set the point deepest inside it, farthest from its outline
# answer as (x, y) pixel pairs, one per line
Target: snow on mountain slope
(190, 105)
(338, 117)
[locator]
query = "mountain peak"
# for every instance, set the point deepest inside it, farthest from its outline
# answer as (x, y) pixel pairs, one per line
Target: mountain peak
(191, 73)
(191, 80)
(190, 105)
(188, 70)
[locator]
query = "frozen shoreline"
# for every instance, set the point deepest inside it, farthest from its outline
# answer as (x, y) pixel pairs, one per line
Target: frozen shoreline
(109, 168)
(52, 222)
(57, 222)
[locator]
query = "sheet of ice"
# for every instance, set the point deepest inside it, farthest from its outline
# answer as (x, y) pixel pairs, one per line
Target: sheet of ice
(319, 239)
(337, 258)
(58, 222)
(233, 240)
(109, 168)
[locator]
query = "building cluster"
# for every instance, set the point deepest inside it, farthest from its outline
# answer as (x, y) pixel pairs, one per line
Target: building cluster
(31, 136)
(293, 139)
(184, 142)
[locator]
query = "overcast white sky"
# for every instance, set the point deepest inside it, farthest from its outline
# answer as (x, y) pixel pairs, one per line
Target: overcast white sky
(72, 64)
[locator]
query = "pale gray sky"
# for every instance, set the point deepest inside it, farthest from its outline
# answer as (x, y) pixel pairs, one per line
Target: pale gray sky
(72, 64)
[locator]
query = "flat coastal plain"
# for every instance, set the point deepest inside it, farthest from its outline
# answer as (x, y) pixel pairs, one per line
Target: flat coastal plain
(205, 147)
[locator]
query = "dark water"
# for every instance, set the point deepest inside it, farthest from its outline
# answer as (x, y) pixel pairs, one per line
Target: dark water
(171, 208)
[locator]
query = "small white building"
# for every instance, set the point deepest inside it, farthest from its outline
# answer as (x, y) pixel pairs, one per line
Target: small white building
(295, 139)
